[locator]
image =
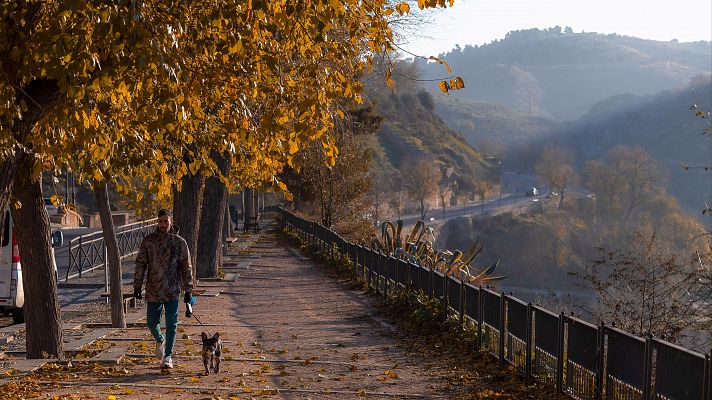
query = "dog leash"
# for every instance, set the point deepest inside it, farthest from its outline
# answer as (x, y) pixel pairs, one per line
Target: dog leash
(189, 313)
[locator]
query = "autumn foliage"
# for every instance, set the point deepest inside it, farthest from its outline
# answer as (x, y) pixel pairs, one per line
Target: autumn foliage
(143, 92)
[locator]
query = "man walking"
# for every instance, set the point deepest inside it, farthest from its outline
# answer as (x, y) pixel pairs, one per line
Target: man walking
(164, 257)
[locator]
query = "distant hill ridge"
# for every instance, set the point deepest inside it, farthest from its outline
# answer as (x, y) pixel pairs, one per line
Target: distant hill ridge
(411, 130)
(661, 124)
(560, 74)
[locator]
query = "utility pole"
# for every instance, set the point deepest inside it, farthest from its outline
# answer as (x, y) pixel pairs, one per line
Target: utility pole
(74, 192)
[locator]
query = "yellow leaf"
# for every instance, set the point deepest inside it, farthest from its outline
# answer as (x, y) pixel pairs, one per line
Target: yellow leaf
(128, 391)
(194, 167)
(331, 161)
(246, 390)
(104, 15)
(403, 8)
(293, 147)
(236, 48)
(457, 83)
(444, 86)
(85, 119)
(194, 379)
(112, 397)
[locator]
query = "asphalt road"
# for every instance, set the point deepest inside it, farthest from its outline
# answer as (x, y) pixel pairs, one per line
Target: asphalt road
(514, 187)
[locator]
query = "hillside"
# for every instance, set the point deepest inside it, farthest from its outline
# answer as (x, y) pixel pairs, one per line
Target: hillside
(560, 74)
(664, 126)
(410, 129)
(491, 123)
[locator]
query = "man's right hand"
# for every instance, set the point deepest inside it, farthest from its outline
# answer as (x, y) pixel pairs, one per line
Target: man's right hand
(137, 293)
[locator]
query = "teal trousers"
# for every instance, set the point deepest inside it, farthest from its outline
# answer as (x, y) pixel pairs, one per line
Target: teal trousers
(153, 318)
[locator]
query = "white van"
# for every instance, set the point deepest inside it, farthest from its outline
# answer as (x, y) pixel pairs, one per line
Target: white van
(12, 294)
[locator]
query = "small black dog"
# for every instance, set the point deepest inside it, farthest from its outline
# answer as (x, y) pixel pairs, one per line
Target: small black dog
(212, 350)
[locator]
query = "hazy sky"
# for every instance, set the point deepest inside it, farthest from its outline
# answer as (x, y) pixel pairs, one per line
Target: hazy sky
(481, 21)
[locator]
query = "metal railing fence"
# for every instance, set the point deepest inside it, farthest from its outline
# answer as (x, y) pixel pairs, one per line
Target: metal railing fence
(88, 252)
(579, 359)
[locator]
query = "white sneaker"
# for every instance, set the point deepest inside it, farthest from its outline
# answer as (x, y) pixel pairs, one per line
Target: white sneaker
(167, 362)
(160, 349)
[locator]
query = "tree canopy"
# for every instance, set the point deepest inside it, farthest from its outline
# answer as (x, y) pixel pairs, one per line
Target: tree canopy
(132, 91)
(130, 84)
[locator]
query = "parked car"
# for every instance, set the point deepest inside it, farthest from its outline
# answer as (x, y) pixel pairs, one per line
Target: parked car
(532, 192)
(12, 294)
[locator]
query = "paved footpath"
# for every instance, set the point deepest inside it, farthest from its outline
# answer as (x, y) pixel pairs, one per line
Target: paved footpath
(290, 330)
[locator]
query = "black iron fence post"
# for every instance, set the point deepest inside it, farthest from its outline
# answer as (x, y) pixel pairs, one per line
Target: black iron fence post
(80, 249)
(461, 308)
(480, 311)
(386, 271)
(560, 356)
(354, 259)
(360, 255)
(431, 286)
(106, 268)
(368, 267)
(600, 362)
(528, 346)
(377, 271)
(708, 376)
(502, 327)
(396, 274)
(446, 297)
(648, 369)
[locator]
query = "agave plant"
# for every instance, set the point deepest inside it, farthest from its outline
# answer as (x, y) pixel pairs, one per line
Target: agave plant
(419, 247)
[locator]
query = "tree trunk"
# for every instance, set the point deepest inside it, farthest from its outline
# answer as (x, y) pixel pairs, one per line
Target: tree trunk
(227, 222)
(40, 95)
(187, 205)
(210, 238)
(561, 198)
(42, 313)
(248, 199)
(101, 191)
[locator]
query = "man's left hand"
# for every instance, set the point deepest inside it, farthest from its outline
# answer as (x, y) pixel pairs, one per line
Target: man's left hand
(188, 296)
